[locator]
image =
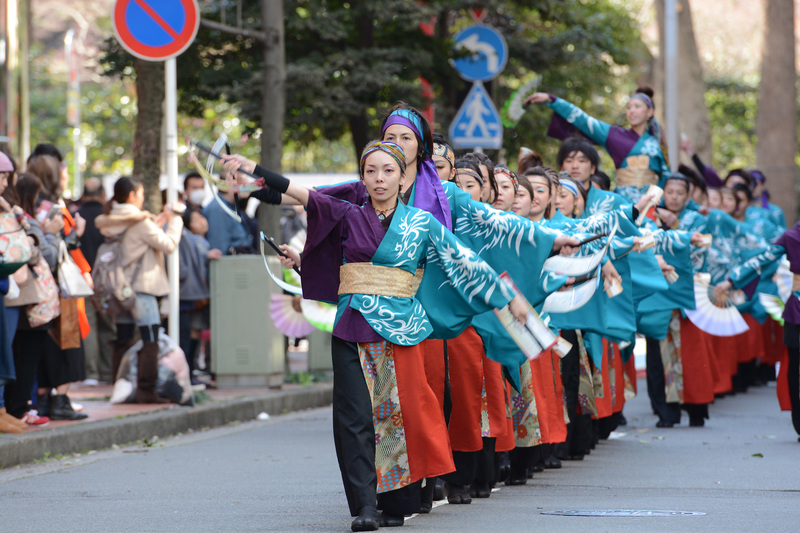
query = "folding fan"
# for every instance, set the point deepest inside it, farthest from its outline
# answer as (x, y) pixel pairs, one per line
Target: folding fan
(773, 305)
(570, 299)
(290, 322)
(783, 279)
(321, 315)
(721, 318)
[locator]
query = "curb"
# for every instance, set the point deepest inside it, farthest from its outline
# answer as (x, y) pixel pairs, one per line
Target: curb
(17, 450)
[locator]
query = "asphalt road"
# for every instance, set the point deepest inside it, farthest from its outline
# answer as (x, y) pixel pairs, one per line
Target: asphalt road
(281, 475)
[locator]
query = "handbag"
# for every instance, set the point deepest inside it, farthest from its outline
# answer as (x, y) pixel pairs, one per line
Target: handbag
(67, 331)
(15, 249)
(29, 291)
(70, 278)
(50, 306)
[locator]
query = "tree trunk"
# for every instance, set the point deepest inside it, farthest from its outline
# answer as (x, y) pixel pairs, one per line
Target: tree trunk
(693, 117)
(147, 139)
(777, 107)
(273, 105)
(359, 130)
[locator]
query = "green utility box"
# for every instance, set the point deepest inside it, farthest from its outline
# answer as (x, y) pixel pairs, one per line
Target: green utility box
(246, 348)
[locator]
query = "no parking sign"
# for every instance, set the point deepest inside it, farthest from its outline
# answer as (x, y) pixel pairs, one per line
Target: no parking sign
(156, 30)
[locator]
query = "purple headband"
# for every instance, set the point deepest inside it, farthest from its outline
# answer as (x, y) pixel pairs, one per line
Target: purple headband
(405, 118)
(644, 98)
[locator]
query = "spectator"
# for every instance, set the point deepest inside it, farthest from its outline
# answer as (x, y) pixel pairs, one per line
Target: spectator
(194, 190)
(143, 246)
(194, 257)
(225, 233)
(50, 150)
(97, 345)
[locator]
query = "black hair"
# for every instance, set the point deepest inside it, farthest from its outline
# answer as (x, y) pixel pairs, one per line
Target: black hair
(46, 149)
(190, 176)
(93, 189)
(578, 144)
(187, 215)
(470, 163)
(483, 159)
(438, 138)
(528, 159)
(602, 180)
(28, 188)
(677, 176)
(694, 178)
(743, 174)
(124, 187)
(739, 187)
(425, 150)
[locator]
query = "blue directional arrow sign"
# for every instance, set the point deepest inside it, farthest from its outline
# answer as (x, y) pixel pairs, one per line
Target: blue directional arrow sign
(477, 123)
(489, 53)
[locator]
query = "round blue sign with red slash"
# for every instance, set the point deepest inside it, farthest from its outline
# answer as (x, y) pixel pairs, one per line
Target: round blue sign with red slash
(156, 30)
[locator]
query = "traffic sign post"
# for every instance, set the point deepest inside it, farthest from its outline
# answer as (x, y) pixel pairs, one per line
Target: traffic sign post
(160, 30)
(477, 124)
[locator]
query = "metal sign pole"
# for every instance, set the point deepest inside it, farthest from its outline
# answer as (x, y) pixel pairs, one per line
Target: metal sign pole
(171, 119)
(671, 80)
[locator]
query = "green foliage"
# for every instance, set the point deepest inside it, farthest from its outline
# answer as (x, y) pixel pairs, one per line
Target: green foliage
(732, 108)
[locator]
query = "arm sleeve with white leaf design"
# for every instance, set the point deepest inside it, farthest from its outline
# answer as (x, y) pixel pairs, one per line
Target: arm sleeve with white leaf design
(596, 130)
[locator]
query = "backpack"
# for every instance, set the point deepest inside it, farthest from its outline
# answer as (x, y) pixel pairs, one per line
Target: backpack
(113, 292)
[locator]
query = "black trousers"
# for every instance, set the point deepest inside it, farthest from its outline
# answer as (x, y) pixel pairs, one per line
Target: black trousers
(794, 386)
(579, 428)
(354, 438)
(667, 412)
(28, 347)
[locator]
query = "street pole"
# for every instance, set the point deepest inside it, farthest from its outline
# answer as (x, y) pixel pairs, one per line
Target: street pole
(671, 80)
(171, 119)
(74, 110)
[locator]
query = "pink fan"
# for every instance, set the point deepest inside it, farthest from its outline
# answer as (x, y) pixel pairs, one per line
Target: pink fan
(290, 322)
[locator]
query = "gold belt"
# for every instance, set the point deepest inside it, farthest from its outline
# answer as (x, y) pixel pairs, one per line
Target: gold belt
(796, 282)
(636, 177)
(366, 278)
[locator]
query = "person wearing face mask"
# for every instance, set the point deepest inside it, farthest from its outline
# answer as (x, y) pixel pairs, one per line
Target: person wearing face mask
(194, 190)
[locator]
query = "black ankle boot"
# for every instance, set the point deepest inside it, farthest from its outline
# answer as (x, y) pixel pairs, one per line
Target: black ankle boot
(480, 489)
(390, 520)
(457, 494)
(43, 402)
(61, 409)
(367, 520)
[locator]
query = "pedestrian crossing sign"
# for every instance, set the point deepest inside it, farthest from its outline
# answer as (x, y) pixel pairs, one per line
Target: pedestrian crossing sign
(477, 124)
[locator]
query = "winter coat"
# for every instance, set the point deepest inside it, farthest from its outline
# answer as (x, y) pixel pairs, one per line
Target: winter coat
(193, 266)
(144, 245)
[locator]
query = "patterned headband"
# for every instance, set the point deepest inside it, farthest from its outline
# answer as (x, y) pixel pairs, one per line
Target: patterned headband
(469, 173)
(505, 171)
(570, 186)
(444, 150)
(390, 148)
(644, 98)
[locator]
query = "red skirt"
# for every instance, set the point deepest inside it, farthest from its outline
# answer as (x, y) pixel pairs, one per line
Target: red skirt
(753, 347)
(697, 354)
(774, 348)
(465, 354)
(549, 393)
(434, 364)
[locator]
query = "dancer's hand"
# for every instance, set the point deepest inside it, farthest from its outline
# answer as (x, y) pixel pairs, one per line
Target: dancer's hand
(566, 245)
(721, 290)
(235, 162)
(537, 98)
(518, 309)
(294, 257)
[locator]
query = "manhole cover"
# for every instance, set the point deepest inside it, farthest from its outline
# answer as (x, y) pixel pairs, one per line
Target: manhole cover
(621, 512)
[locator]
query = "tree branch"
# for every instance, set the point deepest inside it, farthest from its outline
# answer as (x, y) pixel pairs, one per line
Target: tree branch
(227, 28)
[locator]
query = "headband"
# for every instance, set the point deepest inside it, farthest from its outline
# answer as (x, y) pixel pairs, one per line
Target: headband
(406, 118)
(388, 147)
(644, 98)
(570, 186)
(444, 150)
(470, 173)
(5, 163)
(505, 171)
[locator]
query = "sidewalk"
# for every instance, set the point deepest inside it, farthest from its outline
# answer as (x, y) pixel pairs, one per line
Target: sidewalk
(120, 424)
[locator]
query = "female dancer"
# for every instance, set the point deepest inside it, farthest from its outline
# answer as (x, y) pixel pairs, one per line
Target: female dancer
(388, 425)
(636, 151)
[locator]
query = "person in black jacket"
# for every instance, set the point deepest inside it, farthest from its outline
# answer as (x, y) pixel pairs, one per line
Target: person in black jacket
(97, 346)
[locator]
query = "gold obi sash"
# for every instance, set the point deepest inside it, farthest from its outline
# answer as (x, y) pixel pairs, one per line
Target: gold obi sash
(637, 173)
(796, 282)
(366, 278)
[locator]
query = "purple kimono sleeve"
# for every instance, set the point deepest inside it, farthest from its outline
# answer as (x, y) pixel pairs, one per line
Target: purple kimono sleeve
(322, 254)
(353, 192)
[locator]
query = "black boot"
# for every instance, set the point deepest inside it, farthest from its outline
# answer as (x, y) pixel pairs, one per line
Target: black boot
(367, 519)
(43, 402)
(61, 409)
(147, 375)
(426, 496)
(457, 494)
(390, 520)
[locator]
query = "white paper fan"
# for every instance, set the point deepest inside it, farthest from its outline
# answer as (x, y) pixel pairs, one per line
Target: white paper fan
(783, 279)
(290, 322)
(773, 305)
(722, 321)
(321, 315)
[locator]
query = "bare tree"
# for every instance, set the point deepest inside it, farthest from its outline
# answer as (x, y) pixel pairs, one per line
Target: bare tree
(147, 139)
(777, 107)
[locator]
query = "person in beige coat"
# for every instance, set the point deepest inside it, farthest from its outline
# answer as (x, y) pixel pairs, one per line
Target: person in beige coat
(143, 245)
